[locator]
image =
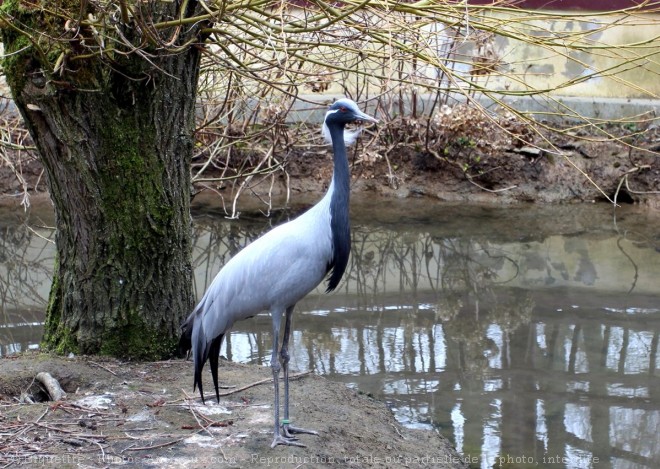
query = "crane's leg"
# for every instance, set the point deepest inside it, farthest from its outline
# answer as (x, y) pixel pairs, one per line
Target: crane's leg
(278, 439)
(288, 430)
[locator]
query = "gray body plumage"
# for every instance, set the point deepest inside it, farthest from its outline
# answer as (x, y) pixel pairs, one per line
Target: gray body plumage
(260, 278)
(277, 270)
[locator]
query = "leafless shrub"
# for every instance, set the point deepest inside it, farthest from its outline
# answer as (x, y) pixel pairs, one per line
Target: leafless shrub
(464, 128)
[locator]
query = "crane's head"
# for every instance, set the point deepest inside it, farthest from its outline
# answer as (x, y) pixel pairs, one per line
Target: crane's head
(342, 112)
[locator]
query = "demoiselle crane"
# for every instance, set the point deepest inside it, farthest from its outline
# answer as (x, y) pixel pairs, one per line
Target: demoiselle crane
(277, 270)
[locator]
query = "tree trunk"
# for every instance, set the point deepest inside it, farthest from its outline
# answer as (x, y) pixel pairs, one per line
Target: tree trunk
(115, 134)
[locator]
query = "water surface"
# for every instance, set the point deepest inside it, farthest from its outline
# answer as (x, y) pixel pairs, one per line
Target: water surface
(527, 336)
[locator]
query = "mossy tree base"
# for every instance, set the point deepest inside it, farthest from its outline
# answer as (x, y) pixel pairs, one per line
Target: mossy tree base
(115, 134)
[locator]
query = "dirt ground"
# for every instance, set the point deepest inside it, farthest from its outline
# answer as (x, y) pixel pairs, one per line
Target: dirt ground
(146, 415)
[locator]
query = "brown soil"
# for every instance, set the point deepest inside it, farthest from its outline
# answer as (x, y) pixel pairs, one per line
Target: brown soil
(587, 171)
(145, 414)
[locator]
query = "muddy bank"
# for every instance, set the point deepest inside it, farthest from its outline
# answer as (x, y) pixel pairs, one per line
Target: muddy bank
(145, 414)
(574, 169)
(586, 172)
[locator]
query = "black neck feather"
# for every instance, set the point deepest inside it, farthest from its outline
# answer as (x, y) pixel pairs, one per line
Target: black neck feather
(339, 219)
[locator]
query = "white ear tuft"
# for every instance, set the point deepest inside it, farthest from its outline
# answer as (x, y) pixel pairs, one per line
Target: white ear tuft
(326, 134)
(351, 136)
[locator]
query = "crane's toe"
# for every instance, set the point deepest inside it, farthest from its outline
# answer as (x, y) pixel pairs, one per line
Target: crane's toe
(285, 441)
(289, 431)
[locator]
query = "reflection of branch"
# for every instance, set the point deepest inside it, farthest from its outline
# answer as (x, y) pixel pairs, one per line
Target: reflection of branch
(25, 268)
(635, 268)
(32, 230)
(513, 263)
(422, 260)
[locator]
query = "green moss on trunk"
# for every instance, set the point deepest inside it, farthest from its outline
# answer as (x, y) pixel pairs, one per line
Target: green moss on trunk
(135, 339)
(57, 337)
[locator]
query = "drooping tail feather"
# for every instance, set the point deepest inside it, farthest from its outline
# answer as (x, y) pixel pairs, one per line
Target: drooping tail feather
(193, 337)
(200, 354)
(214, 355)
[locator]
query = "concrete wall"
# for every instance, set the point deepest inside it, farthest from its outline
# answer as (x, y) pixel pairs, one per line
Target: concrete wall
(543, 69)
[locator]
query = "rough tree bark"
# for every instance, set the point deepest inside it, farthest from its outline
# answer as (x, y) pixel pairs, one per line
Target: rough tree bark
(114, 129)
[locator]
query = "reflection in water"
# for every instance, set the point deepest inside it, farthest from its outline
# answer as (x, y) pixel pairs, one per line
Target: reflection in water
(26, 263)
(527, 344)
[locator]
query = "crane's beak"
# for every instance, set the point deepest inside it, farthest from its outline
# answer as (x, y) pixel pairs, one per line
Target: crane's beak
(361, 116)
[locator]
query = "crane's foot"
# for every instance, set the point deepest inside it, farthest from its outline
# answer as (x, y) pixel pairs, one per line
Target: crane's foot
(289, 431)
(286, 441)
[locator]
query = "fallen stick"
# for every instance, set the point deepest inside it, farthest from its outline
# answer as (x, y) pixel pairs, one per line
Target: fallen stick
(52, 386)
(263, 381)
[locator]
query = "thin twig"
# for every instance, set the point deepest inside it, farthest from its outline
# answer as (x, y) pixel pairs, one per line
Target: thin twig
(161, 445)
(105, 368)
(263, 381)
